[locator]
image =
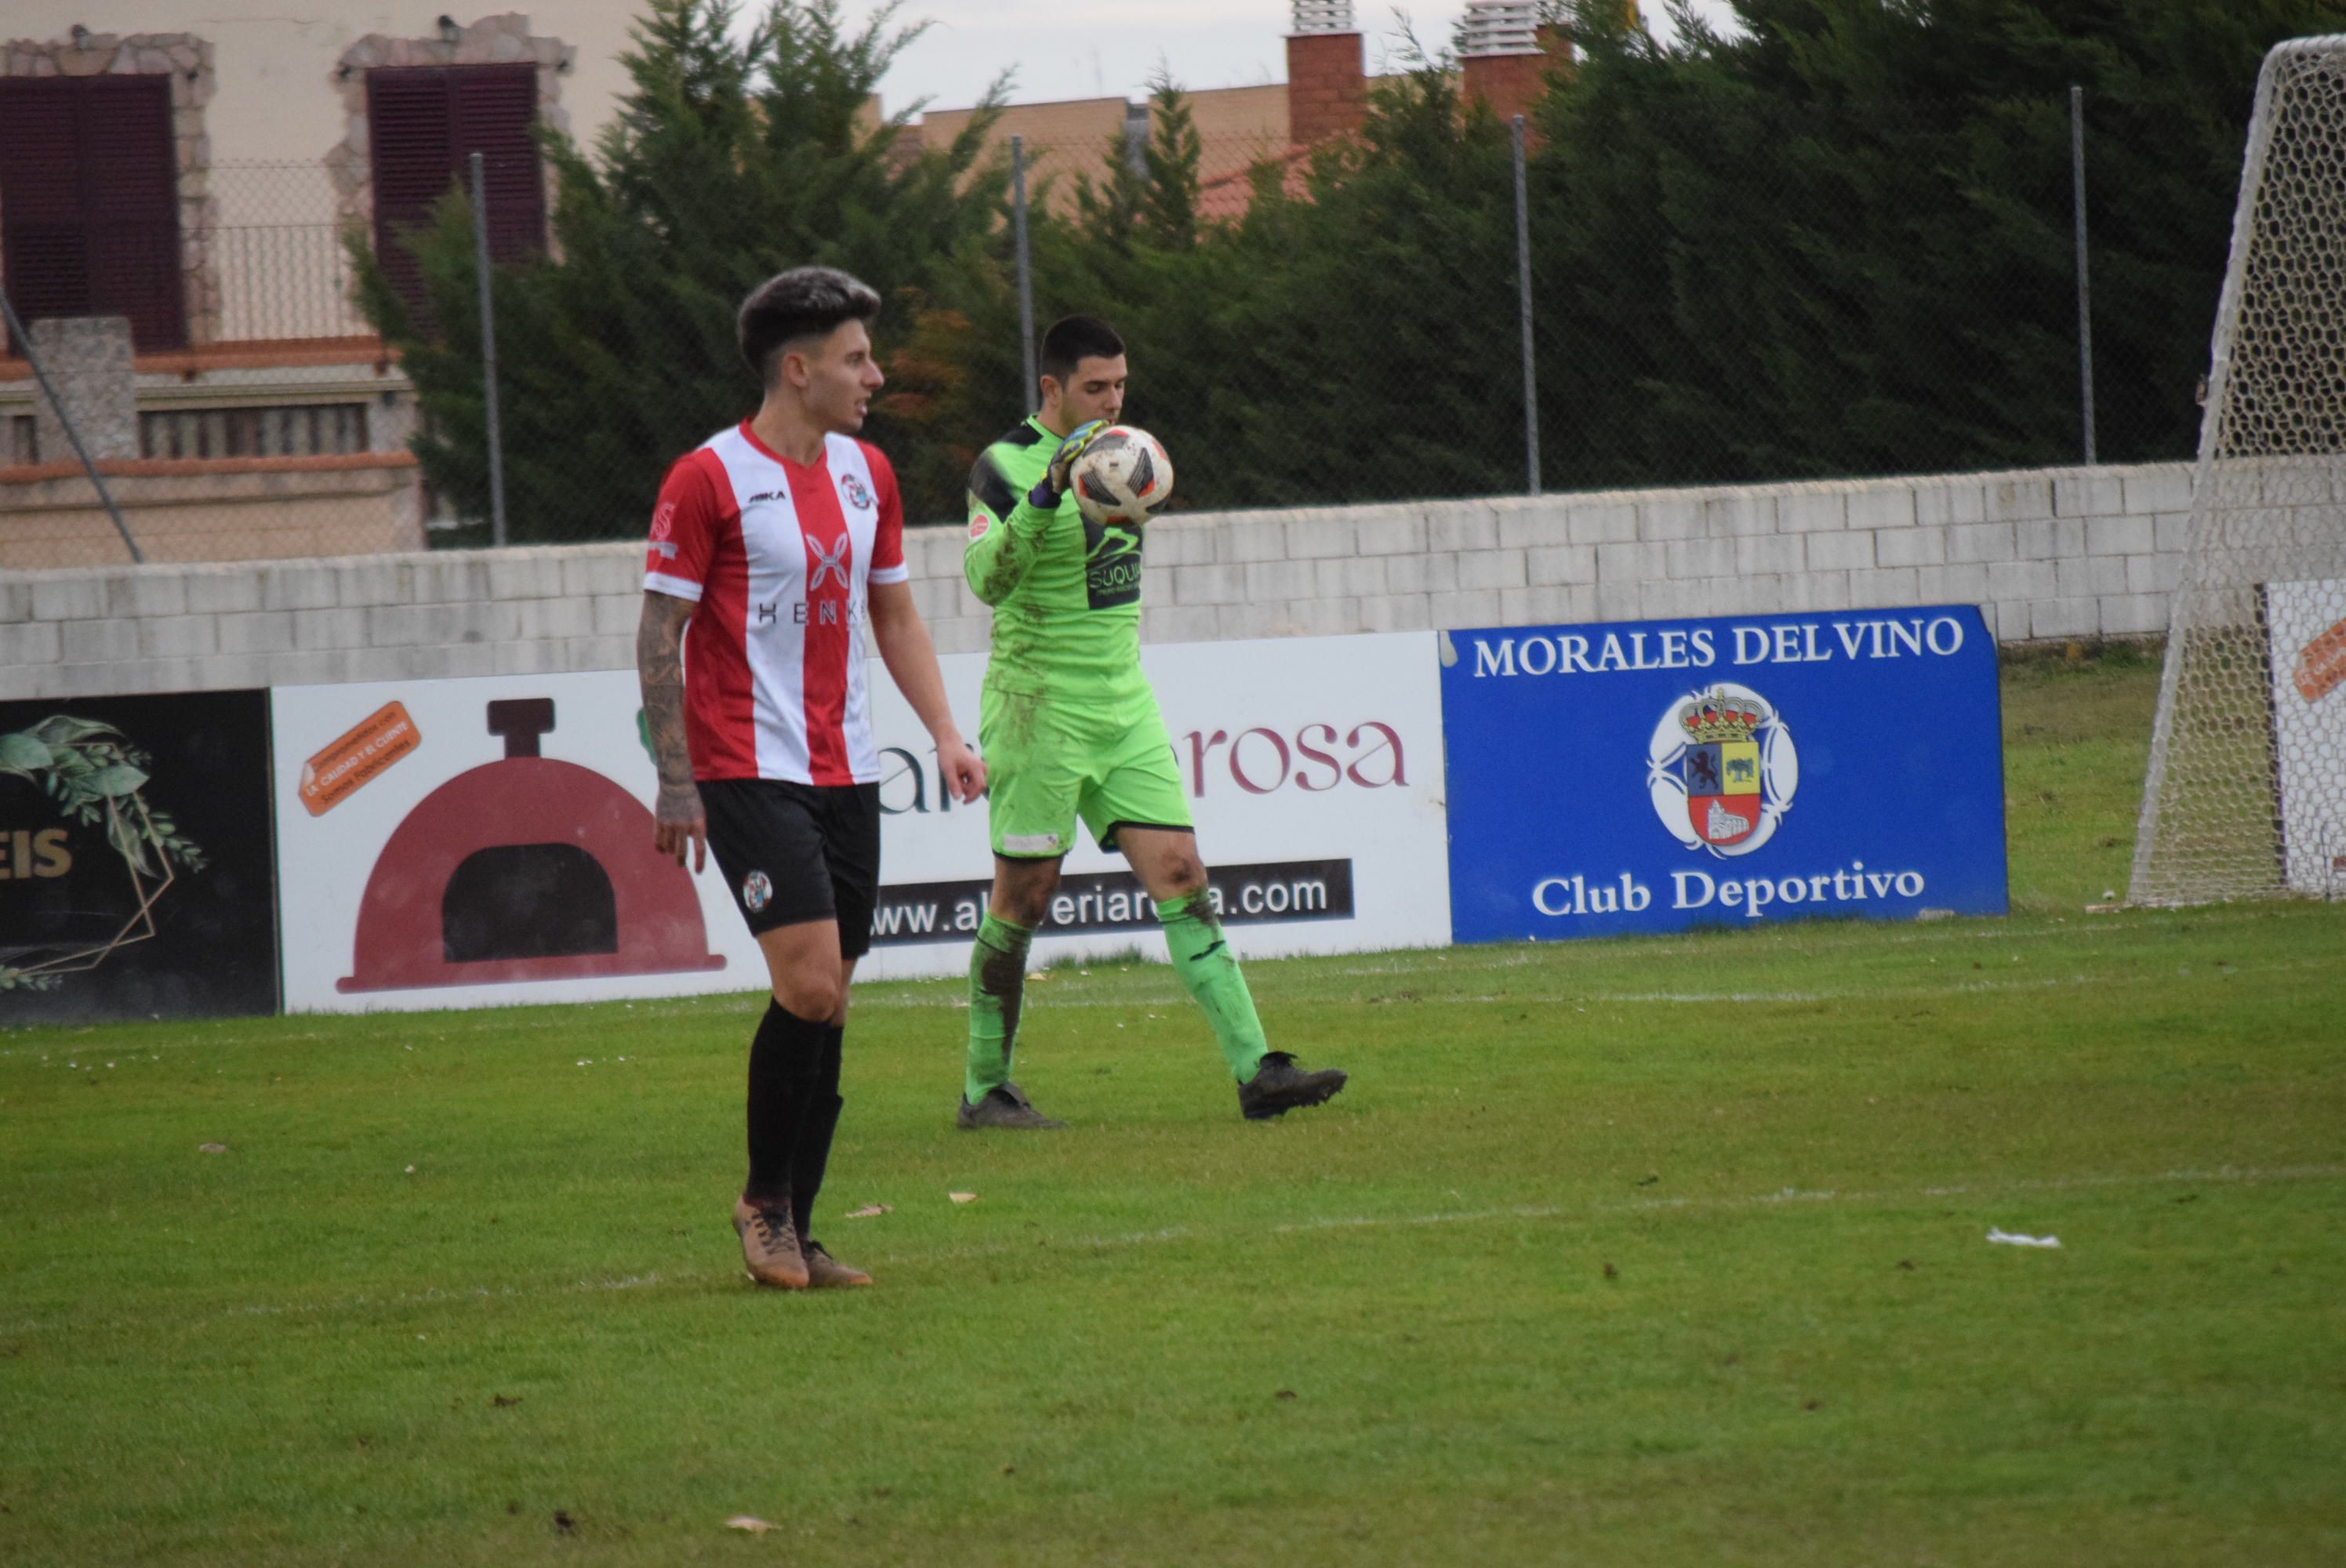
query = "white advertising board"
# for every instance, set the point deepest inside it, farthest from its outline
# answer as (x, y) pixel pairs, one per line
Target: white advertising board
(2308, 628)
(427, 861)
(461, 843)
(1313, 768)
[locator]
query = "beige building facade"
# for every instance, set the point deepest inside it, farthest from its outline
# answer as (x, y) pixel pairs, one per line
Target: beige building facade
(1066, 141)
(276, 97)
(269, 419)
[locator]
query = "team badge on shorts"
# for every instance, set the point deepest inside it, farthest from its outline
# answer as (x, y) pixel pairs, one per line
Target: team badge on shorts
(857, 495)
(756, 891)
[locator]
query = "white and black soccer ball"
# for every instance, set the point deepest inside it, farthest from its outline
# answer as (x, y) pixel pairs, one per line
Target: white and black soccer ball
(1123, 478)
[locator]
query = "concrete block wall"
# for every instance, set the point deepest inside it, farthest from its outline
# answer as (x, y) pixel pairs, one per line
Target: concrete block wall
(2062, 553)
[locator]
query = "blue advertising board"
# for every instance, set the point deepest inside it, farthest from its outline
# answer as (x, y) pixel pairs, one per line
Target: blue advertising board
(1651, 776)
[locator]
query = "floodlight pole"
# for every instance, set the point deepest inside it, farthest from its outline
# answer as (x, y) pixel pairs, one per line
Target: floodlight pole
(1524, 312)
(2085, 272)
(1026, 270)
(488, 355)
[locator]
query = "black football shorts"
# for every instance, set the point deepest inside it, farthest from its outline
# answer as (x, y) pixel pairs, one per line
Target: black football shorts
(797, 853)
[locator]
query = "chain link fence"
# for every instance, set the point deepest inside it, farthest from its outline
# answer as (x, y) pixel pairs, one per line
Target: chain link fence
(275, 424)
(1473, 317)
(1451, 306)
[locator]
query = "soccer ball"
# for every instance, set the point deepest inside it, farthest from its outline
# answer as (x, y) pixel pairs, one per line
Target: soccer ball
(1123, 477)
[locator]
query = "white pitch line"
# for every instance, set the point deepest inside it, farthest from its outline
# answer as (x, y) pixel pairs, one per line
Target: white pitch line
(1026, 1244)
(1047, 1003)
(488, 1020)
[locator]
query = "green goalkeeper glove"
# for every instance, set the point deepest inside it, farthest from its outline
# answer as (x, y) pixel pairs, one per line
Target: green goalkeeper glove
(1045, 496)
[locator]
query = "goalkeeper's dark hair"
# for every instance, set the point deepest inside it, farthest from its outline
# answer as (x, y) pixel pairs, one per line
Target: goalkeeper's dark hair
(1071, 339)
(803, 302)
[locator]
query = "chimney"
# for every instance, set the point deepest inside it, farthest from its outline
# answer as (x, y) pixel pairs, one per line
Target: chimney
(1503, 51)
(1327, 91)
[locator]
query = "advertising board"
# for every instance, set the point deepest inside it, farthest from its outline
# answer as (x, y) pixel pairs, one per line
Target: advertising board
(1657, 775)
(459, 844)
(462, 843)
(2307, 631)
(1314, 772)
(136, 858)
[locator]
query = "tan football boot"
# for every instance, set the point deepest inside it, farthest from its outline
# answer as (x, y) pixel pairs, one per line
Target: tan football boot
(825, 1272)
(769, 1246)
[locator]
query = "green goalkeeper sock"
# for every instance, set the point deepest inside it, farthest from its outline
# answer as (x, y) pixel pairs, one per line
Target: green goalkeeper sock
(1206, 965)
(997, 981)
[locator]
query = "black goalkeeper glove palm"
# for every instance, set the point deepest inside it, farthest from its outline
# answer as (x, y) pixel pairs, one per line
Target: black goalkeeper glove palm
(1045, 496)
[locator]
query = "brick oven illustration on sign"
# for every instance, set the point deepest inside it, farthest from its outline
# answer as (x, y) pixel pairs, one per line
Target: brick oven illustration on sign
(528, 867)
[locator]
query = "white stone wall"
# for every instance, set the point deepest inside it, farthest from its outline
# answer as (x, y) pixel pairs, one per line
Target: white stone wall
(2058, 553)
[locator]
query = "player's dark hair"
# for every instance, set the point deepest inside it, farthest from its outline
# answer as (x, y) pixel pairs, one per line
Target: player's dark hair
(1073, 340)
(803, 302)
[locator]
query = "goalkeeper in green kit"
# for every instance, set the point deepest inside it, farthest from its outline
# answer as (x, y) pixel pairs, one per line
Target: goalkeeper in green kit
(1069, 729)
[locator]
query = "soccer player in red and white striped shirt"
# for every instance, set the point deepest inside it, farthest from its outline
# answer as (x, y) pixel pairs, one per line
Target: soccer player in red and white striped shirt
(776, 542)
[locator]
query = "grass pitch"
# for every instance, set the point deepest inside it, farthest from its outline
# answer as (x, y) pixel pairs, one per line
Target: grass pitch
(1639, 1252)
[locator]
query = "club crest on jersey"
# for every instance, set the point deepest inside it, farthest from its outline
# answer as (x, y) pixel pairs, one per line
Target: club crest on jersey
(858, 495)
(1721, 770)
(827, 562)
(980, 524)
(756, 891)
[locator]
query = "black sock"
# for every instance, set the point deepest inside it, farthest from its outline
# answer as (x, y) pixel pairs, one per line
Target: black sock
(819, 1121)
(782, 1058)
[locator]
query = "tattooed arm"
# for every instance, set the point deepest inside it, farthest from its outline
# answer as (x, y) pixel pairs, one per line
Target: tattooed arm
(677, 819)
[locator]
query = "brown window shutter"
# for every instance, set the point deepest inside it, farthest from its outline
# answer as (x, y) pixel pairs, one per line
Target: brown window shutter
(495, 106)
(134, 215)
(89, 208)
(407, 142)
(424, 122)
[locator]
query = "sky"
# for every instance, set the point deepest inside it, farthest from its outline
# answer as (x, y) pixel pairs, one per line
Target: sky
(1059, 50)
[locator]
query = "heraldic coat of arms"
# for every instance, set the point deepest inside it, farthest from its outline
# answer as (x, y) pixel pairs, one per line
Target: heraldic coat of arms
(1721, 770)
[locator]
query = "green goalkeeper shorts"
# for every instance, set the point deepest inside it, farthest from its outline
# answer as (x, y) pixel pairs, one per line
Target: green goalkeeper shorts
(1047, 764)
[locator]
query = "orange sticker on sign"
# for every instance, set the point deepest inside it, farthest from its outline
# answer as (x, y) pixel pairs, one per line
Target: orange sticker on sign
(357, 757)
(2322, 665)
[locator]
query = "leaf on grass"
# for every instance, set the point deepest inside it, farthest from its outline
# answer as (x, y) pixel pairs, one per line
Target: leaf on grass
(502, 1400)
(749, 1521)
(870, 1211)
(963, 1197)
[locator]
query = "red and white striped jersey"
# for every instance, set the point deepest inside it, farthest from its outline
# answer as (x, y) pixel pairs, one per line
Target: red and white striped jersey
(777, 556)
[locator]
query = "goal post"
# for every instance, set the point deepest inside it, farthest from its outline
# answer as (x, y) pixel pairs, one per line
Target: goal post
(2245, 792)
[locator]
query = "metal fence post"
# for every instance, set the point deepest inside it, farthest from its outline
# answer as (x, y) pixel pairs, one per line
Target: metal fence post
(24, 341)
(1524, 309)
(1026, 270)
(2085, 273)
(488, 355)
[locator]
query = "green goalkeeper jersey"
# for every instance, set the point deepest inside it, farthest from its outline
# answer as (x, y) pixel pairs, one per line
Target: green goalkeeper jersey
(1065, 591)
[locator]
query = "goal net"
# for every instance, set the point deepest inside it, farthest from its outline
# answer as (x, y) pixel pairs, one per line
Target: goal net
(2246, 795)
